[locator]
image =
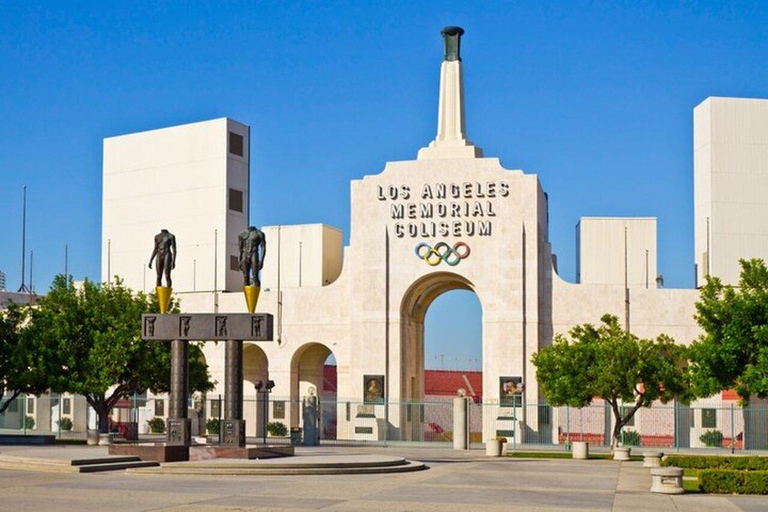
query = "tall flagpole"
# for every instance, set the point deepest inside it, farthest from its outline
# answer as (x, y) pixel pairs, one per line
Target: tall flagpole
(23, 288)
(31, 271)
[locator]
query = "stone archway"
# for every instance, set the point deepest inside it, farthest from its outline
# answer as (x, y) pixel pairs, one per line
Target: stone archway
(255, 368)
(308, 371)
(414, 306)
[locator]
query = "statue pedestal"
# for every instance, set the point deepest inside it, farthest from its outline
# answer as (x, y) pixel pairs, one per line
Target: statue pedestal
(233, 434)
(179, 432)
(251, 297)
(164, 297)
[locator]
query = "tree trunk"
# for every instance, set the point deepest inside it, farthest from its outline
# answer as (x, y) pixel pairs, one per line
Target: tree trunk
(103, 413)
(9, 402)
(616, 434)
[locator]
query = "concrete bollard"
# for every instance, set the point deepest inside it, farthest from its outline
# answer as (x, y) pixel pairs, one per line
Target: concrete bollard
(580, 450)
(652, 459)
(461, 423)
(667, 481)
(621, 454)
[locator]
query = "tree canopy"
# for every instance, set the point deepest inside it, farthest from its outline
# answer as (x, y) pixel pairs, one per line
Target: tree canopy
(92, 339)
(733, 350)
(21, 365)
(610, 363)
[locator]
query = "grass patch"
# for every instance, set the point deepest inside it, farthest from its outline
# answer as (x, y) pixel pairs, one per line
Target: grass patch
(70, 441)
(565, 455)
(691, 486)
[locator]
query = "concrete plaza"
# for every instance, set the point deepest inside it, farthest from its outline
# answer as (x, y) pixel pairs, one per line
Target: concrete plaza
(465, 481)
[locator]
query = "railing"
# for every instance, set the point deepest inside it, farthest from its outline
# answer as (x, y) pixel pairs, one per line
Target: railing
(716, 427)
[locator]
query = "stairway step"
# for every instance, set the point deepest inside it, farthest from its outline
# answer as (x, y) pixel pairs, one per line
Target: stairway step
(116, 466)
(213, 470)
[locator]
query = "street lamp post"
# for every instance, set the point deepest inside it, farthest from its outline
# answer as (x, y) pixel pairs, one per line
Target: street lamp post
(264, 391)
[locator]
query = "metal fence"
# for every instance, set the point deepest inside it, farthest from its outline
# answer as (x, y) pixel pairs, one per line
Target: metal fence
(716, 426)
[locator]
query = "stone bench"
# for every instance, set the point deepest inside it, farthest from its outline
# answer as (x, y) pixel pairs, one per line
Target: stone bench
(652, 459)
(667, 480)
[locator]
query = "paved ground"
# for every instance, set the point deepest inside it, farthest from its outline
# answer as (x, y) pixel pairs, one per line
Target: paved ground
(455, 481)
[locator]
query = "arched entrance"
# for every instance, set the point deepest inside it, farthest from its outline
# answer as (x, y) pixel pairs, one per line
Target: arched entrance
(255, 368)
(313, 372)
(416, 302)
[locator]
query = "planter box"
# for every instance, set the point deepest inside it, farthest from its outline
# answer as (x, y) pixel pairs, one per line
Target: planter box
(580, 450)
(493, 448)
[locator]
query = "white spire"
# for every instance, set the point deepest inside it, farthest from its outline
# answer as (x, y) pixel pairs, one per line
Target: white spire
(451, 140)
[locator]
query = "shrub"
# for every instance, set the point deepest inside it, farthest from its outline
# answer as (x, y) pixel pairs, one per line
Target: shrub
(712, 438)
(65, 424)
(277, 429)
(750, 463)
(728, 481)
(156, 425)
(631, 438)
(29, 422)
(212, 425)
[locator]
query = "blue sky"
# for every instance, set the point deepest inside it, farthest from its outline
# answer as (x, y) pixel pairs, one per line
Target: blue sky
(594, 97)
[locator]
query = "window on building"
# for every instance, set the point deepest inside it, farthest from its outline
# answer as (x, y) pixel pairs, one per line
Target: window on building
(236, 144)
(66, 406)
(159, 407)
(234, 263)
(236, 200)
(30, 405)
(215, 409)
(708, 418)
(624, 411)
(14, 407)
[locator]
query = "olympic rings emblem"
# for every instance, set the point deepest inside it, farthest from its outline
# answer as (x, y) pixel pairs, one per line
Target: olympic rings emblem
(442, 252)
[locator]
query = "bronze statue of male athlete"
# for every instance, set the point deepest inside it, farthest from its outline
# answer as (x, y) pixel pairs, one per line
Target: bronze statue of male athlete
(165, 250)
(249, 242)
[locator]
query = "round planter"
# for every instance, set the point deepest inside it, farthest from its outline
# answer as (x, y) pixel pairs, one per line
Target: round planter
(621, 454)
(580, 450)
(105, 439)
(92, 436)
(493, 448)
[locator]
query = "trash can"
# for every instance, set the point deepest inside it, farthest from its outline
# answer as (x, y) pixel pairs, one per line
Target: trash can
(296, 436)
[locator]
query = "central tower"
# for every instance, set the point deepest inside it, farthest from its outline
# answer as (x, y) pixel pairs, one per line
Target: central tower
(451, 140)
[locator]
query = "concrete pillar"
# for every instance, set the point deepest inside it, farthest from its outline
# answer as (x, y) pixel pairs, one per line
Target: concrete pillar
(178, 431)
(234, 426)
(461, 423)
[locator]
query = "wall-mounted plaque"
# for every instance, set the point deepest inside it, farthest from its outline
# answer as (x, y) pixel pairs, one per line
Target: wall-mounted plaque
(373, 389)
(511, 391)
(278, 410)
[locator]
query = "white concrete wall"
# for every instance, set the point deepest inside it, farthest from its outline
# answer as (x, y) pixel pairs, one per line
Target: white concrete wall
(306, 254)
(601, 255)
(175, 178)
(730, 180)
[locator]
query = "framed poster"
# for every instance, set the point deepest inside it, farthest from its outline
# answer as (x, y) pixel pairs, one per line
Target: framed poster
(373, 389)
(511, 390)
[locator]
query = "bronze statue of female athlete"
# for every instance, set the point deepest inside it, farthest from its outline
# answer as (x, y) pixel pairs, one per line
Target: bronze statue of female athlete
(165, 250)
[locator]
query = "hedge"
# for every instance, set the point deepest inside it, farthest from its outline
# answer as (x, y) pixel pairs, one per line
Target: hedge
(751, 463)
(728, 481)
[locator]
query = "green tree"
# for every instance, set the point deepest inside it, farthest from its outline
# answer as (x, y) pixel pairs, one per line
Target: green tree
(609, 363)
(94, 348)
(732, 353)
(21, 368)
